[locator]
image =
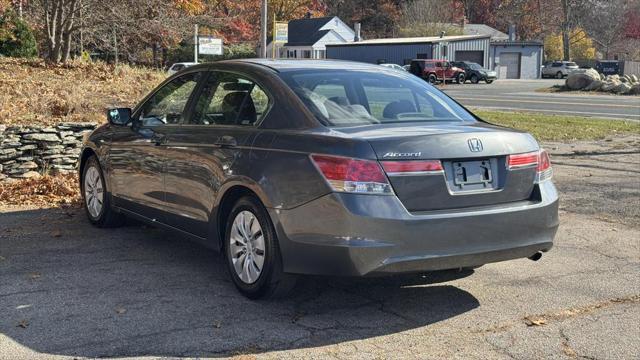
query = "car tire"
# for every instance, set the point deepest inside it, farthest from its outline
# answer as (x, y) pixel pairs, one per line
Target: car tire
(559, 75)
(252, 252)
(96, 199)
(488, 81)
(432, 79)
(461, 78)
(474, 79)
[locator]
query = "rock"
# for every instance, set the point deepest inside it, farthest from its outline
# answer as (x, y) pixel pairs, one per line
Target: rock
(595, 85)
(31, 175)
(46, 137)
(624, 79)
(27, 147)
(623, 88)
(634, 78)
(609, 85)
(29, 165)
(578, 80)
(1, 167)
(635, 90)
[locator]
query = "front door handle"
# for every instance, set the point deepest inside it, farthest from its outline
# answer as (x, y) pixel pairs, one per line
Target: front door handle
(226, 141)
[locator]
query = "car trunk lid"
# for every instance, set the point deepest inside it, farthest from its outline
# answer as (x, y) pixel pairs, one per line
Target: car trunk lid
(473, 159)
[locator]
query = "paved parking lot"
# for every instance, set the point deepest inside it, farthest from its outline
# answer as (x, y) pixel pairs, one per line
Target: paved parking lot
(521, 95)
(68, 289)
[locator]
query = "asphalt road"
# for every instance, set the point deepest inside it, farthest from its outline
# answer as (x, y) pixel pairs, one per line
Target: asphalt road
(70, 290)
(521, 95)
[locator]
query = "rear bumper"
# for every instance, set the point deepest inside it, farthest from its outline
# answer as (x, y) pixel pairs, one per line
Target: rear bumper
(356, 235)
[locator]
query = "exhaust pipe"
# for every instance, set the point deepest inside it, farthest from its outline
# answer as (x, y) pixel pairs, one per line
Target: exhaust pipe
(537, 256)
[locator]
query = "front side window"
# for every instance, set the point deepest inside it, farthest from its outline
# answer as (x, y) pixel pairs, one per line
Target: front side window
(347, 98)
(168, 105)
(230, 99)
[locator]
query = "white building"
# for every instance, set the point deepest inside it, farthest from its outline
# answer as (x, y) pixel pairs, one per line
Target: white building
(308, 37)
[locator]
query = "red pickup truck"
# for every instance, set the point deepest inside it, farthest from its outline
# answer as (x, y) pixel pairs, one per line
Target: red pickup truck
(435, 71)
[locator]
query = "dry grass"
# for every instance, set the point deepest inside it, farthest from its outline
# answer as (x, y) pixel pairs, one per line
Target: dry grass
(32, 92)
(44, 191)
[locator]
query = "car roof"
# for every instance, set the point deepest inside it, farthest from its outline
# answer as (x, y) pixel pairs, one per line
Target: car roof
(284, 65)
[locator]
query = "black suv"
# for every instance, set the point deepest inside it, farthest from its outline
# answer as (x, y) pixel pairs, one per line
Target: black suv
(475, 72)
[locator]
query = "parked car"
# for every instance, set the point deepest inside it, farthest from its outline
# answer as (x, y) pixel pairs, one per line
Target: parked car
(179, 66)
(558, 69)
(608, 67)
(435, 71)
(320, 167)
(394, 66)
(475, 72)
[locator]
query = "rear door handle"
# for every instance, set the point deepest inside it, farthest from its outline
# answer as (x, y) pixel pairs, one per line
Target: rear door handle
(226, 141)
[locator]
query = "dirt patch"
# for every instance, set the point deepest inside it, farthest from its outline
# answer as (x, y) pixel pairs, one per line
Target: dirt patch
(600, 178)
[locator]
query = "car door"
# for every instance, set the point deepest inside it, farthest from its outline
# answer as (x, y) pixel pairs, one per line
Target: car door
(209, 150)
(137, 155)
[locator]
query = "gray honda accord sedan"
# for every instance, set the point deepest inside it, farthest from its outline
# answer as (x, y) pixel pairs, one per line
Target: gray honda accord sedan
(320, 167)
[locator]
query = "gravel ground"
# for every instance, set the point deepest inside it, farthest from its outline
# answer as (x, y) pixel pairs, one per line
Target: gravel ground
(69, 290)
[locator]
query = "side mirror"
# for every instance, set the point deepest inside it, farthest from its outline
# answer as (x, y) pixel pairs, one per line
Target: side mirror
(119, 116)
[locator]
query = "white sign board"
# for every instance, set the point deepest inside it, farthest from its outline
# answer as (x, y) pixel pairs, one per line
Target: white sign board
(209, 45)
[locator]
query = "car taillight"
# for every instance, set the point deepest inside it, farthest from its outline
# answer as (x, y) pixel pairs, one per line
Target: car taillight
(544, 170)
(412, 167)
(352, 175)
(539, 159)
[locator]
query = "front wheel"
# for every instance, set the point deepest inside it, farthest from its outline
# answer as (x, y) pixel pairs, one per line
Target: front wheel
(559, 75)
(97, 203)
(252, 252)
(488, 81)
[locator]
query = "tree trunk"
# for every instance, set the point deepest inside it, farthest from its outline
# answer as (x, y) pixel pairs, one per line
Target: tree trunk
(565, 31)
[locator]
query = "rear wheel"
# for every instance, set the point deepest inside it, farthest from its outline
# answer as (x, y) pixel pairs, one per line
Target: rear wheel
(474, 79)
(461, 78)
(97, 202)
(432, 78)
(252, 252)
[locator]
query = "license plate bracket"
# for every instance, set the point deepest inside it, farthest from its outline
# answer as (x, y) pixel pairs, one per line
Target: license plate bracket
(472, 175)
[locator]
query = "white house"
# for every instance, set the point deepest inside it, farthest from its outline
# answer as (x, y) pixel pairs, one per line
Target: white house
(307, 38)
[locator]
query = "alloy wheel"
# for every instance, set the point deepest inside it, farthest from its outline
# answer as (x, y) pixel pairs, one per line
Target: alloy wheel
(247, 247)
(93, 192)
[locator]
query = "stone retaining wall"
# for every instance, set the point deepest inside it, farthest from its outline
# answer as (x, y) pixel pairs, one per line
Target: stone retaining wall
(28, 151)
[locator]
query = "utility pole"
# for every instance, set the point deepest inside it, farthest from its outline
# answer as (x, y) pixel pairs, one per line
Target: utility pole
(195, 44)
(263, 29)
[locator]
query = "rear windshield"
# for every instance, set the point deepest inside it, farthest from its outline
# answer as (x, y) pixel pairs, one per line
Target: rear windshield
(347, 98)
(572, 64)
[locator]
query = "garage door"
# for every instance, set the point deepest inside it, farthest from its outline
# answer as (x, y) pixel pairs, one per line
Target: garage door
(472, 56)
(511, 61)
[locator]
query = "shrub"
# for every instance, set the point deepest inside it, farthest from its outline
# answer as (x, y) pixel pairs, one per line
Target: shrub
(16, 37)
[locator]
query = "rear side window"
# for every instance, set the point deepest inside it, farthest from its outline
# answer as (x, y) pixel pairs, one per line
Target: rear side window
(363, 97)
(230, 99)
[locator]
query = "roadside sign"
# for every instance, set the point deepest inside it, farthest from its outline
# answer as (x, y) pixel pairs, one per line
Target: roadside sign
(208, 45)
(280, 32)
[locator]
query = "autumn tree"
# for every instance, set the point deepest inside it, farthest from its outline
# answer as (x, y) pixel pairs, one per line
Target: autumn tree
(580, 45)
(429, 18)
(379, 18)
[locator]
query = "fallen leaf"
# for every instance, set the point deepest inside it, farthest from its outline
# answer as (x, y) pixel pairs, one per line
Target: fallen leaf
(534, 321)
(23, 324)
(56, 233)
(217, 324)
(121, 310)
(35, 275)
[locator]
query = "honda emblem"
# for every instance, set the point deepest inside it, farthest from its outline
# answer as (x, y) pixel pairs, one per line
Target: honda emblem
(475, 145)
